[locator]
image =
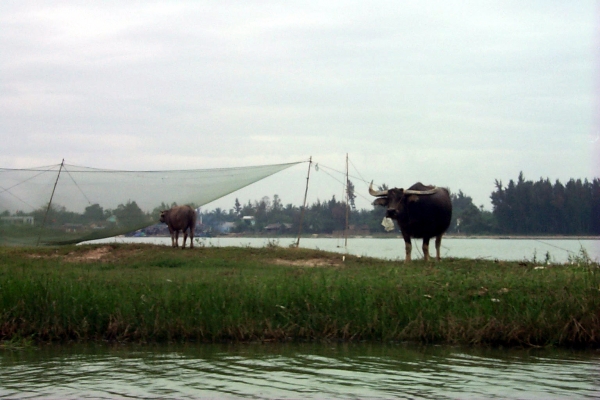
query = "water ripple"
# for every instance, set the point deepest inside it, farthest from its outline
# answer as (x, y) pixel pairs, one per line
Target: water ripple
(297, 372)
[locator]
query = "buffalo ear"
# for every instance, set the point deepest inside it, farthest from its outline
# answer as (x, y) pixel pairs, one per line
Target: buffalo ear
(382, 201)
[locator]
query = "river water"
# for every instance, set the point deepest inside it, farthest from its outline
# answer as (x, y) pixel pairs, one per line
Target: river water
(557, 250)
(297, 371)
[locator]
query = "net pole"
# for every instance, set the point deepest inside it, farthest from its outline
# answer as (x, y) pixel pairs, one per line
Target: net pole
(347, 207)
(304, 202)
(50, 202)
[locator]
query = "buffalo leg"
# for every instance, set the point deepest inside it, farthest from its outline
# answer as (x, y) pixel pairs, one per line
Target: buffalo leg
(407, 248)
(176, 239)
(185, 235)
(438, 245)
(426, 249)
(172, 232)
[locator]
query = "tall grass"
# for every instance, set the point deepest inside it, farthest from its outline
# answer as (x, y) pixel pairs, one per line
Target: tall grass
(153, 293)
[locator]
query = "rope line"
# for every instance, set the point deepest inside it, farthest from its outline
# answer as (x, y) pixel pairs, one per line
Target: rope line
(556, 247)
(8, 190)
(26, 180)
(361, 179)
(73, 179)
(85, 170)
(356, 169)
(343, 173)
(17, 197)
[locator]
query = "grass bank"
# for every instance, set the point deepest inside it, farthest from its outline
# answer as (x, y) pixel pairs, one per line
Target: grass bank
(147, 293)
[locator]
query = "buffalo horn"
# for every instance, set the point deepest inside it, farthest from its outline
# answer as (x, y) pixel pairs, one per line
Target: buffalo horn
(377, 193)
(421, 192)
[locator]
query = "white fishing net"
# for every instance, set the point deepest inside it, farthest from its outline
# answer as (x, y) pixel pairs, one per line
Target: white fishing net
(68, 204)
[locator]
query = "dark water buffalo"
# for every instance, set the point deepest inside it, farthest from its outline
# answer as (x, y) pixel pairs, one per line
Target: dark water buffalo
(421, 211)
(180, 218)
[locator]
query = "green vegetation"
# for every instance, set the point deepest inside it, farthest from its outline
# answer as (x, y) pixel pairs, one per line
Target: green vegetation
(148, 293)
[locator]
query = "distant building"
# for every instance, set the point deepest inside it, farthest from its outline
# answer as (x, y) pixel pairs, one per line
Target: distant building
(249, 220)
(18, 220)
(278, 228)
(226, 227)
(73, 228)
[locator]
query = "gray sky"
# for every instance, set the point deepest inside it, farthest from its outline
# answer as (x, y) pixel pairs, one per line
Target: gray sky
(453, 93)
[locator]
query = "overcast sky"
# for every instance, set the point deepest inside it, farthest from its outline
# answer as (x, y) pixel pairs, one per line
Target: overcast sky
(452, 93)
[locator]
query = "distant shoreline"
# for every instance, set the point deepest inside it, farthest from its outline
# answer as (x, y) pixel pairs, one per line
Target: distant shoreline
(399, 236)
(523, 237)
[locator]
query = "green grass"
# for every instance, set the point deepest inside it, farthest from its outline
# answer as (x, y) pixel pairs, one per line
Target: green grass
(148, 293)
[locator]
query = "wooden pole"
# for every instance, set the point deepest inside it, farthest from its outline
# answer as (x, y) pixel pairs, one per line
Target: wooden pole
(347, 206)
(50, 202)
(304, 203)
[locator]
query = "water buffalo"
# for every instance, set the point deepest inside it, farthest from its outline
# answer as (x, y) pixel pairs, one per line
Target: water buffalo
(421, 212)
(180, 218)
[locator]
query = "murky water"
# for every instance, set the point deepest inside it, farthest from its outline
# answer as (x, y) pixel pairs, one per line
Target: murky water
(557, 250)
(298, 371)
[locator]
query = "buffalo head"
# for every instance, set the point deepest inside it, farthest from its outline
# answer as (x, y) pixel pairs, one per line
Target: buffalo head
(163, 216)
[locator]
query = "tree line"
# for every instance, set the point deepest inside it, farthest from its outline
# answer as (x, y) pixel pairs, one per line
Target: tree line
(527, 207)
(523, 207)
(55, 215)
